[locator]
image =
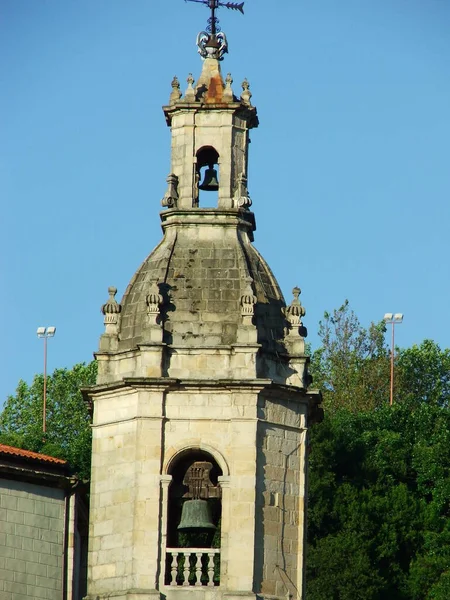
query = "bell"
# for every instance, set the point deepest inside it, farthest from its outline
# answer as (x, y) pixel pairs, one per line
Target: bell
(196, 514)
(210, 182)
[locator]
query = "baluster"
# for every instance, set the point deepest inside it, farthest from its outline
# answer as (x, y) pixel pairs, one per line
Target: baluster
(173, 569)
(186, 568)
(198, 568)
(210, 568)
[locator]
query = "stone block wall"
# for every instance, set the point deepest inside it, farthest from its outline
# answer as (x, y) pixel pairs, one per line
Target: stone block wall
(280, 499)
(31, 541)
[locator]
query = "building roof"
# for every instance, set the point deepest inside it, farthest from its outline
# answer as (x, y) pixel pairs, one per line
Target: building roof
(19, 452)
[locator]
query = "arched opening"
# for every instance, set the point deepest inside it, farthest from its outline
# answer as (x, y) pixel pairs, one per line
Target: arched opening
(193, 520)
(208, 177)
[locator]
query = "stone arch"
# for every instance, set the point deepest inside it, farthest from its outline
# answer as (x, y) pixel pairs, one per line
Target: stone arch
(175, 453)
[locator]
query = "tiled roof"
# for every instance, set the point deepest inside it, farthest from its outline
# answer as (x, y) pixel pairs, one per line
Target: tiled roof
(10, 450)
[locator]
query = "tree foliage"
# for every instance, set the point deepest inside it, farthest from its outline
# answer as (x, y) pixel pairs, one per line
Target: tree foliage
(352, 365)
(68, 432)
(379, 484)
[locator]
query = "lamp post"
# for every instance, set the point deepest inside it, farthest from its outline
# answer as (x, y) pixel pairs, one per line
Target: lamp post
(45, 333)
(392, 319)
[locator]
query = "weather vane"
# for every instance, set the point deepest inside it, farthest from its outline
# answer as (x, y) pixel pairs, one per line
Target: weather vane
(213, 33)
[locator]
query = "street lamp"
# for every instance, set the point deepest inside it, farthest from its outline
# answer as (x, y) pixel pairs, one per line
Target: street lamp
(392, 319)
(45, 333)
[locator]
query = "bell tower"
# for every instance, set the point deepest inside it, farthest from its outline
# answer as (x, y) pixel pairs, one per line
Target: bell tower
(203, 403)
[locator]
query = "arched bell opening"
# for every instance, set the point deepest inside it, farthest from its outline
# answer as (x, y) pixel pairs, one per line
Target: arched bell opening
(208, 177)
(194, 520)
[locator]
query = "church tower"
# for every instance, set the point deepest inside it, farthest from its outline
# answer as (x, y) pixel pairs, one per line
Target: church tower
(201, 408)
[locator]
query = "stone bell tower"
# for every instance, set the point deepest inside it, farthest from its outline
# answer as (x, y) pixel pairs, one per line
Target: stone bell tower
(201, 408)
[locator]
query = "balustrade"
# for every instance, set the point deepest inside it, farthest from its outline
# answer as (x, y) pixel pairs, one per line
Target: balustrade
(193, 566)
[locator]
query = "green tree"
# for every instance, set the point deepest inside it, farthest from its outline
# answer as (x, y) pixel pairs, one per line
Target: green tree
(423, 374)
(68, 433)
(379, 483)
(351, 366)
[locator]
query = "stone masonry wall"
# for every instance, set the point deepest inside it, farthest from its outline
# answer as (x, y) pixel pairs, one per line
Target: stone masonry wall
(31, 541)
(280, 500)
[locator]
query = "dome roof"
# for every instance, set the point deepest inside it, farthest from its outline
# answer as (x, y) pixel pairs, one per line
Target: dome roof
(203, 268)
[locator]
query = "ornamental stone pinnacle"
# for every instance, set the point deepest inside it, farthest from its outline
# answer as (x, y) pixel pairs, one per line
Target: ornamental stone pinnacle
(228, 92)
(246, 93)
(248, 300)
(295, 311)
(111, 309)
(241, 198)
(170, 199)
(154, 301)
(189, 95)
(176, 92)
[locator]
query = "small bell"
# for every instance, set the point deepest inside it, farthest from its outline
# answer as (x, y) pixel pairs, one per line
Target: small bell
(210, 182)
(196, 514)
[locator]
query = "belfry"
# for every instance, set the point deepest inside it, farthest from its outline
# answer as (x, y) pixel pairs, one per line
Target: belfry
(202, 404)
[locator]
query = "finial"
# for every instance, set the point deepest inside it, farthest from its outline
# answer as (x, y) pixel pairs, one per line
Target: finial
(171, 196)
(228, 92)
(295, 311)
(248, 300)
(111, 309)
(154, 301)
(246, 93)
(189, 95)
(241, 197)
(176, 92)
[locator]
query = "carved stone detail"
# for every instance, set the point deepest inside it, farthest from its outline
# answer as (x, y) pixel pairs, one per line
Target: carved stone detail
(111, 309)
(241, 197)
(228, 92)
(295, 311)
(246, 93)
(170, 199)
(176, 92)
(189, 95)
(154, 301)
(248, 301)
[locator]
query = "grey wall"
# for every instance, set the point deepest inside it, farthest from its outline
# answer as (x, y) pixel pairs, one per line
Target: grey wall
(31, 541)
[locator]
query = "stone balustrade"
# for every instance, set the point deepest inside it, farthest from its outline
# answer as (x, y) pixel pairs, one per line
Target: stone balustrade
(193, 566)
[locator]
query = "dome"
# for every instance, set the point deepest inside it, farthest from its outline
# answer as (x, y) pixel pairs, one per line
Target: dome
(203, 268)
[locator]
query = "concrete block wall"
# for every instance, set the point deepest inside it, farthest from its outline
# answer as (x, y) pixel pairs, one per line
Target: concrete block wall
(31, 541)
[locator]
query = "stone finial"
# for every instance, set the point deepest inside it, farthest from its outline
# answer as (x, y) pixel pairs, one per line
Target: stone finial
(241, 197)
(295, 311)
(228, 92)
(246, 93)
(154, 301)
(189, 95)
(176, 92)
(171, 196)
(248, 300)
(111, 309)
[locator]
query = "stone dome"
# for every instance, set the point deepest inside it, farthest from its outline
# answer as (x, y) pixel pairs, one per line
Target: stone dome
(203, 268)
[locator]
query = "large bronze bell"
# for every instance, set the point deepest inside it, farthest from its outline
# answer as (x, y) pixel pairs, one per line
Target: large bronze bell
(210, 181)
(196, 514)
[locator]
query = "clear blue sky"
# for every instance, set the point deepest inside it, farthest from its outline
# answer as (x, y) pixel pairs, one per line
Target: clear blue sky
(349, 169)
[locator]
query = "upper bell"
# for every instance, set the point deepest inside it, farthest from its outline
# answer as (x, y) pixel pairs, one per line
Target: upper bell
(210, 182)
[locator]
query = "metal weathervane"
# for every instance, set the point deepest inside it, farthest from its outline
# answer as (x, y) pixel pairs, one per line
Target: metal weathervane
(213, 36)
